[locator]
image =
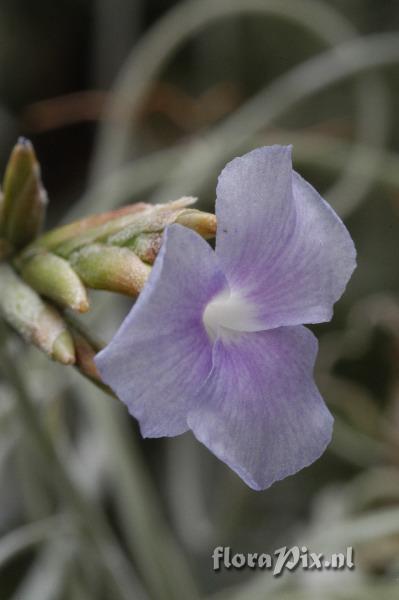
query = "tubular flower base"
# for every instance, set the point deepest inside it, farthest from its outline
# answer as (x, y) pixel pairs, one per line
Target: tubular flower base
(215, 342)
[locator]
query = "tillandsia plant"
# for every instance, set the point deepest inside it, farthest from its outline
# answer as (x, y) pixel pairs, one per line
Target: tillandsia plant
(45, 278)
(215, 342)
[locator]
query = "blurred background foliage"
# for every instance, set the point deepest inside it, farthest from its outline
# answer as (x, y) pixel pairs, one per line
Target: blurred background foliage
(130, 100)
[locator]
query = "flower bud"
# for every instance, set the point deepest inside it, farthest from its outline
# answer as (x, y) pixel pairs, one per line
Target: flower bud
(153, 220)
(25, 199)
(102, 231)
(146, 246)
(201, 222)
(110, 268)
(63, 350)
(137, 226)
(35, 321)
(88, 228)
(53, 277)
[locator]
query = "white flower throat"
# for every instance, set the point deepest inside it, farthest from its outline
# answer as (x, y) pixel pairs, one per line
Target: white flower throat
(229, 312)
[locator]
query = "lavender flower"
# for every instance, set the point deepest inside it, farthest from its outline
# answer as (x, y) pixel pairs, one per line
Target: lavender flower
(215, 342)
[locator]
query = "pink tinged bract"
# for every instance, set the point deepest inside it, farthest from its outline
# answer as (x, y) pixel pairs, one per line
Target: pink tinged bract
(215, 342)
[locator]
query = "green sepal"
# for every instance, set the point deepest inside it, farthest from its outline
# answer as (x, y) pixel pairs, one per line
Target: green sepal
(110, 268)
(53, 277)
(36, 321)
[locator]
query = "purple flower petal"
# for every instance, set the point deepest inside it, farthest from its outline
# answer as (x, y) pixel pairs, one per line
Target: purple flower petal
(259, 410)
(223, 353)
(161, 354)
(281, 246)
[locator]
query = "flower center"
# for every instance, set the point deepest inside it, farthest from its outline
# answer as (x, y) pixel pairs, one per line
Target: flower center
(228, 312)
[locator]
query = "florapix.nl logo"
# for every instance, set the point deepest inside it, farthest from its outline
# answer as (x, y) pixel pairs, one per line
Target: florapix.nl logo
(282, 559)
